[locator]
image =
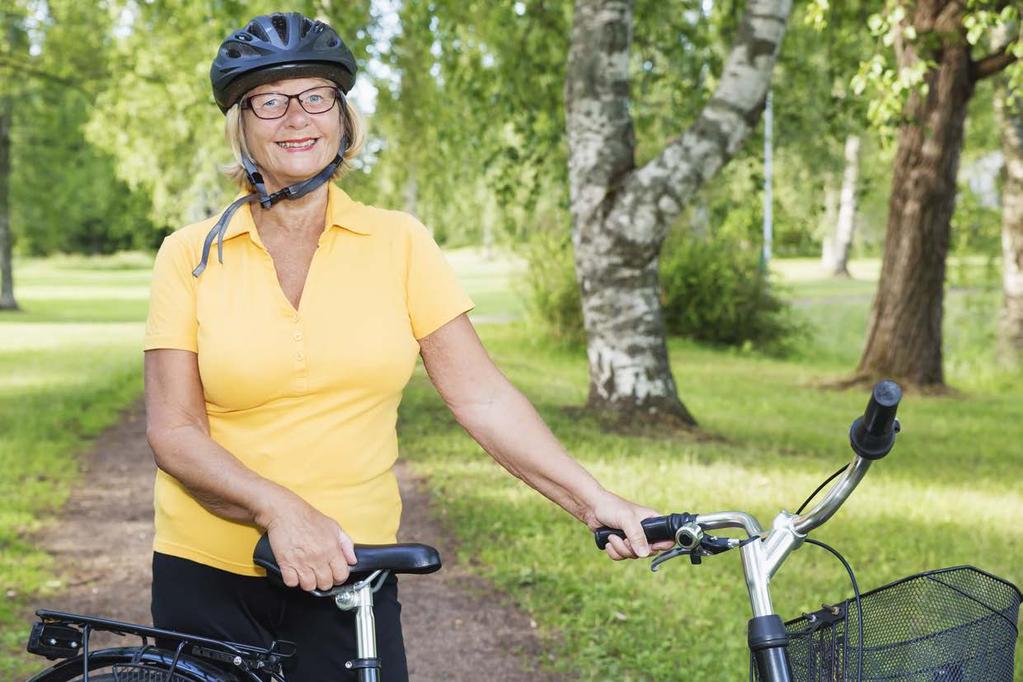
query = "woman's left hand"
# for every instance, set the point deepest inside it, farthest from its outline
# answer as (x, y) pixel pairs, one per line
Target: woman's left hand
(616, 512)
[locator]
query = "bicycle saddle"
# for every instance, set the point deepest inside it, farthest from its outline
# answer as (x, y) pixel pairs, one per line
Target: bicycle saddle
(410, 557)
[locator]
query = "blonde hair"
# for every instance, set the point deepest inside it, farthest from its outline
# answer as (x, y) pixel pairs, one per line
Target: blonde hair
(352, 127)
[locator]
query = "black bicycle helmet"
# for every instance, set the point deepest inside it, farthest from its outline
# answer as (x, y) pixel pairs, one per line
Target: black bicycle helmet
(278, 46)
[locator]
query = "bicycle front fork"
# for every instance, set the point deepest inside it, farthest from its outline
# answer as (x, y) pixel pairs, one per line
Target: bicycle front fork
(359, 597)
(768, 642)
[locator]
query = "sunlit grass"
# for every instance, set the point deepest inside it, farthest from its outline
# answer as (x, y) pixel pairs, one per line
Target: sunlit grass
(779, 436)
(69, 362)
(490, 283)
(948, 494)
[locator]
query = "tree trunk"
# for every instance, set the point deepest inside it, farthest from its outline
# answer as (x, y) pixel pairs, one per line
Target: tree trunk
(1010, 328)
(7, 301)
(829, 221)
(621, 214)
(904, 337)
(411, 191)
(847, 208)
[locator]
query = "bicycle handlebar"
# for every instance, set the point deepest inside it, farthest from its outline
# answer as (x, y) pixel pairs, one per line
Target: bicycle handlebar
(656, 529)
(871, 437)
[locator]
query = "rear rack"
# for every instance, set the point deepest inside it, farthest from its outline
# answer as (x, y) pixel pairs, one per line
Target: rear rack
(60, 635)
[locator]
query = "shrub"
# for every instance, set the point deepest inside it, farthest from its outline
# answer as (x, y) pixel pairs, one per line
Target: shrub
(714, 291)
(711, 291)
(552, 296)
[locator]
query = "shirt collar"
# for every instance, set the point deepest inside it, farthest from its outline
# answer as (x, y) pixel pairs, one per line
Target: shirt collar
(342, 212)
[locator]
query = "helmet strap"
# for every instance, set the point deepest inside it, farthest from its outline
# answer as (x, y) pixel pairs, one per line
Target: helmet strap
(255, 178)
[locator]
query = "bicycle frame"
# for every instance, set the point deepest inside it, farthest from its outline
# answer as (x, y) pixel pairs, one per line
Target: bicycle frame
(764, 555)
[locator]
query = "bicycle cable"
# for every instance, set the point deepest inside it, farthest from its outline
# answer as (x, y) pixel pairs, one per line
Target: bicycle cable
(829, 479)
(856, 593)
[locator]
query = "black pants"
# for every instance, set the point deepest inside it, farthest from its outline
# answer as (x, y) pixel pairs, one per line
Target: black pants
(201, 600)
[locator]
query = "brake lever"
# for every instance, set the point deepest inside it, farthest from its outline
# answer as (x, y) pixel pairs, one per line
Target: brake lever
(709, 546)
(670, 554)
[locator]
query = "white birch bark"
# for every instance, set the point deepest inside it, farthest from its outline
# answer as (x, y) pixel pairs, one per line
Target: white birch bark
(7, 301)
(411, 191)
(846, 208)
(828, 224)
(621, 213)
(1010, 328)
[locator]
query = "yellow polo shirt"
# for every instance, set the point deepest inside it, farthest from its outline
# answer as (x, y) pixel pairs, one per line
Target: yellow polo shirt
(307, 398)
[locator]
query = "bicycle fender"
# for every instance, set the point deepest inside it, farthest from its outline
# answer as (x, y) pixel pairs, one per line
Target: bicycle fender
(186, 666)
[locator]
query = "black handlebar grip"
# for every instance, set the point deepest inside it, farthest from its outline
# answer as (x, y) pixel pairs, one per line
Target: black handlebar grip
(873, 435)
(656, 529)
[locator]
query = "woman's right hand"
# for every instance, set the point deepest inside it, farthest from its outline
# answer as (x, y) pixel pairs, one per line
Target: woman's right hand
(311, 549)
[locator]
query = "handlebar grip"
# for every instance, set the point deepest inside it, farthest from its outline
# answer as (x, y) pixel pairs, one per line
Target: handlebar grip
(873, 435)
(656, 529)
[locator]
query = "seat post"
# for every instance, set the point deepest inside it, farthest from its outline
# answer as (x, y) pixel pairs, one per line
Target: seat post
(359, 597)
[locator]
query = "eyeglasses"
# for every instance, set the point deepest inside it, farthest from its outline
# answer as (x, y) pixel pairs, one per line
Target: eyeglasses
(270, 105)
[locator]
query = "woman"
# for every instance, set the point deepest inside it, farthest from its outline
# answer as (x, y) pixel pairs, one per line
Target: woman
(274, 371)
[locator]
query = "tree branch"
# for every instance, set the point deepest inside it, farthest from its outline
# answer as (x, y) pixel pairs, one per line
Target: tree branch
(13, 64)
(992, 64)
(654, 195)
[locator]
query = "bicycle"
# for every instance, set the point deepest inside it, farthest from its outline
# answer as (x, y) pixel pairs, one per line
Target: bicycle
(961, 628)
(65, 636)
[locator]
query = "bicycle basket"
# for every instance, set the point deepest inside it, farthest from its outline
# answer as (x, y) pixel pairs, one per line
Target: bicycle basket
(949, 625)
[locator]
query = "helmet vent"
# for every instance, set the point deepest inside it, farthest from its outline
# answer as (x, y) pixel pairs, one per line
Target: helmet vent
(306, 25)
(281, 26)
(233, 53)
(255, 29)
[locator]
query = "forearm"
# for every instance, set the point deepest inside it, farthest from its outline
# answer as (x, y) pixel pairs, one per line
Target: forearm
(214, 477)
(509, 428)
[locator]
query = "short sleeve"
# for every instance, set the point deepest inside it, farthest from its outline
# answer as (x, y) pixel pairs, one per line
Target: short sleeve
(433, 293)
(172, 321)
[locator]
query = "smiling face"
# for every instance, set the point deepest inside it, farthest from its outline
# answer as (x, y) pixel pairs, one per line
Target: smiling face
(297, 145)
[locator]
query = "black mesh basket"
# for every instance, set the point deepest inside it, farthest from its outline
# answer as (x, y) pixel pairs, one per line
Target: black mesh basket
(950, 625)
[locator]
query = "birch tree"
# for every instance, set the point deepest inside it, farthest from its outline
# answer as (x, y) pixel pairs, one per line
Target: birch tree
(845, 225)
(1010, 328)
(621, 213)
(12, 37)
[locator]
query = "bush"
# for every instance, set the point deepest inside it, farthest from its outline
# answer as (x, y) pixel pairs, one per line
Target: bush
(711, 291)
(552, 296)
(715, 291)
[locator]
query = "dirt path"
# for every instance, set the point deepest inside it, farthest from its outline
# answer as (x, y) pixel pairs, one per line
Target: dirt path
(456, 627)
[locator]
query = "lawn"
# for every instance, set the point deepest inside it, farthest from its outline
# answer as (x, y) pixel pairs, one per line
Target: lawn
(777, 434)
(70, 362)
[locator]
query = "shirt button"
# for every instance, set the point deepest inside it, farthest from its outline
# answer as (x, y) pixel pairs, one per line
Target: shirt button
(298, 336)
(299, 356)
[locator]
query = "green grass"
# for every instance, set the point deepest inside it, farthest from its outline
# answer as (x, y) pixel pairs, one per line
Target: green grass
(779, 435)
(69, 362)
(489, 283)
(948, 494)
